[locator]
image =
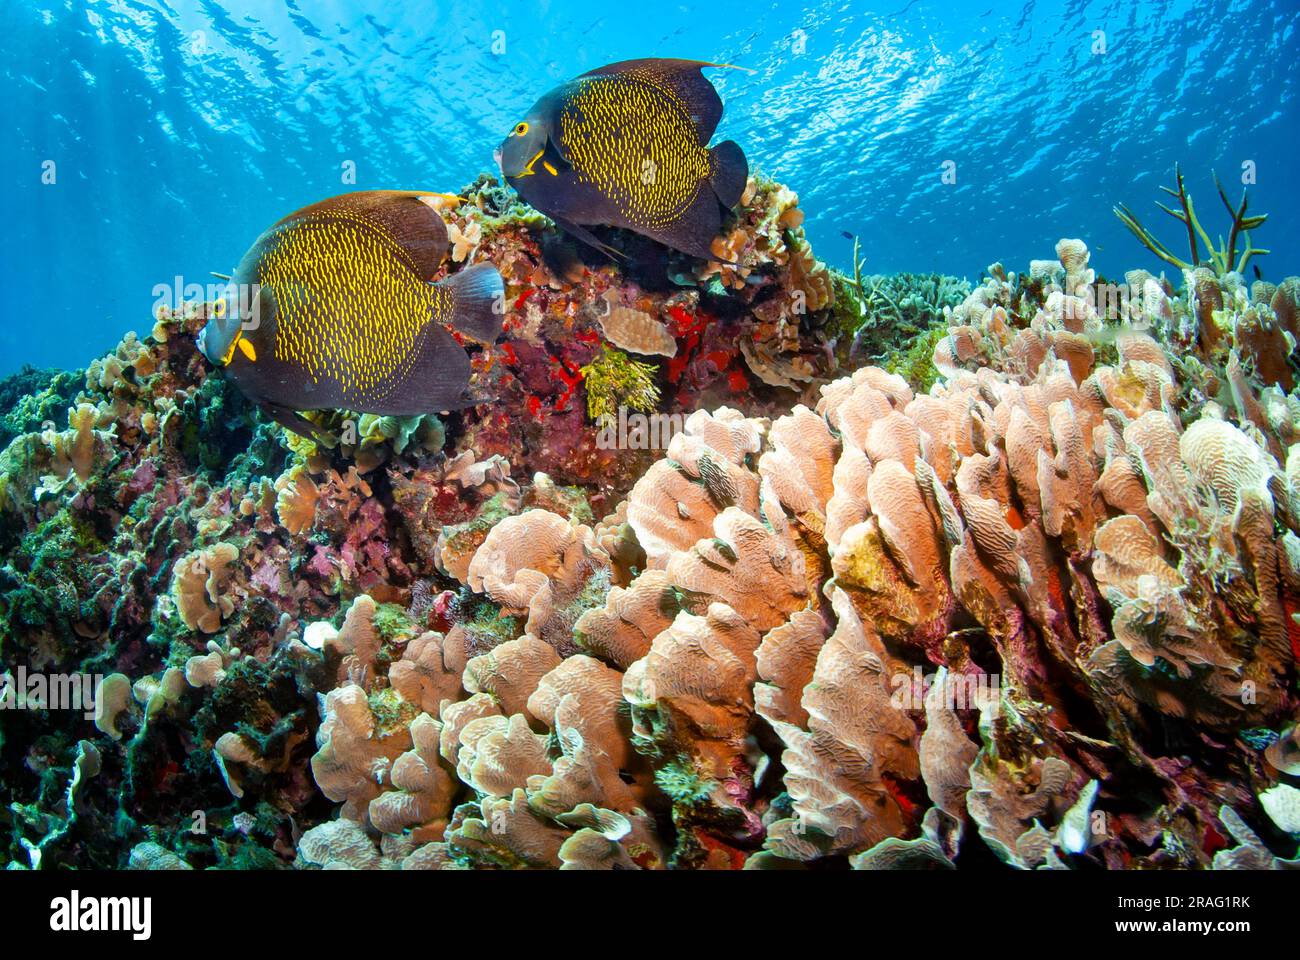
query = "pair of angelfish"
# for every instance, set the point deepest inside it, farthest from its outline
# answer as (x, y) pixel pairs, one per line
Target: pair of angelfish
(333, 307)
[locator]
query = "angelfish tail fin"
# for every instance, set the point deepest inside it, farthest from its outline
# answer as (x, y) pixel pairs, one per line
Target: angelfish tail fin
(477, 305)
(729, 172)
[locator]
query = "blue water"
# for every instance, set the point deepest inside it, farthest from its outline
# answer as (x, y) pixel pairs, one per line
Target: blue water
(179, 130)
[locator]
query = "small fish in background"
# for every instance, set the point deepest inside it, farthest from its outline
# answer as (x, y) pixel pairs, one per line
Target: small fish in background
(627, 146)
(333, 308)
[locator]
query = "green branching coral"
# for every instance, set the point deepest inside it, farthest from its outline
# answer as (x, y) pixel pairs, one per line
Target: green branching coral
(882, 309)
(900, 311)
(615, 380)
(1223, 257)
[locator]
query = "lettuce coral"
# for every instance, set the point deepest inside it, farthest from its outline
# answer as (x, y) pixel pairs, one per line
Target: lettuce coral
(1030, 598)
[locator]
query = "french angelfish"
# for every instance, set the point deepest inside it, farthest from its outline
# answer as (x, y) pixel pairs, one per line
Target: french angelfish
(333, 308)
(627, 146)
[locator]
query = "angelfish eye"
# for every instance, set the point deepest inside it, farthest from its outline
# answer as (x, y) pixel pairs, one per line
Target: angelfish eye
(521, 128)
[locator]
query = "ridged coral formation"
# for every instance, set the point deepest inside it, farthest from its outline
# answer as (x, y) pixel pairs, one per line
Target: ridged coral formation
(1035, 604)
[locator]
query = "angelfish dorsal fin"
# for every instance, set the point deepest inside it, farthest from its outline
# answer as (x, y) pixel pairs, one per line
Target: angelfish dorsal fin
(415, 226)
(684, 77)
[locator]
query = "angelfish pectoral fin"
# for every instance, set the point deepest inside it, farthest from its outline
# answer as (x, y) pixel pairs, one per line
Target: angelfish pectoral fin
(728, 172)
(295, 422)
(247, 349)
(587, 237)
(528, 170)
(230, 350)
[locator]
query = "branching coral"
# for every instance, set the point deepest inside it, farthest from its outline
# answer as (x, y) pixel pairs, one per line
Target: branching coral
(1222, 258)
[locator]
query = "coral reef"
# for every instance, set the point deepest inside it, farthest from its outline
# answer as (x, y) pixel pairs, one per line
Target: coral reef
(1024, 593)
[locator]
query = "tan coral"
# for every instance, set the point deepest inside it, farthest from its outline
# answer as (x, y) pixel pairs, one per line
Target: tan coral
(853, 738)
(581, 701)
(1224, 459)
(786, 660)
(623, 630)
(754, 568)
(529, 559)
(357, 642)
(499, 753)
(799, 463)
(199, 582)
(81, 450)
(296, 497)
(635, 330)
(946, 753)
(892, 563)
(356, 751)
(1073, 255)
(675, 503)
(511, 671)
(429, 671)
(697, 682)
(1127, 550)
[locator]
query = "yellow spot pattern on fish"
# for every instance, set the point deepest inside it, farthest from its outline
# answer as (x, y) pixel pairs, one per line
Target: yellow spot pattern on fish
(631, 136)
(350, 306)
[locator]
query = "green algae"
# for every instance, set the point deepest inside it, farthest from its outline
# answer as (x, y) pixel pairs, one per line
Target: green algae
(915, 364)
(613, 380)
(32, 397)
(391, 623)
(37, 586)
(682, 782)
(484, 623)
(391, 712)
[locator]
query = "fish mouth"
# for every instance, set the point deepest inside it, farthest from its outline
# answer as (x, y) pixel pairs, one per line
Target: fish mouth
(528, 170)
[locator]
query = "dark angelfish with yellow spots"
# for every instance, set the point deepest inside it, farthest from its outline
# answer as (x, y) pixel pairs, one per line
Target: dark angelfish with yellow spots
(333, 308)
(627, 146)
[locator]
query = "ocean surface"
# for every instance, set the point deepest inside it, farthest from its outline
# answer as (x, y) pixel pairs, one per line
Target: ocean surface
(151, 141)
